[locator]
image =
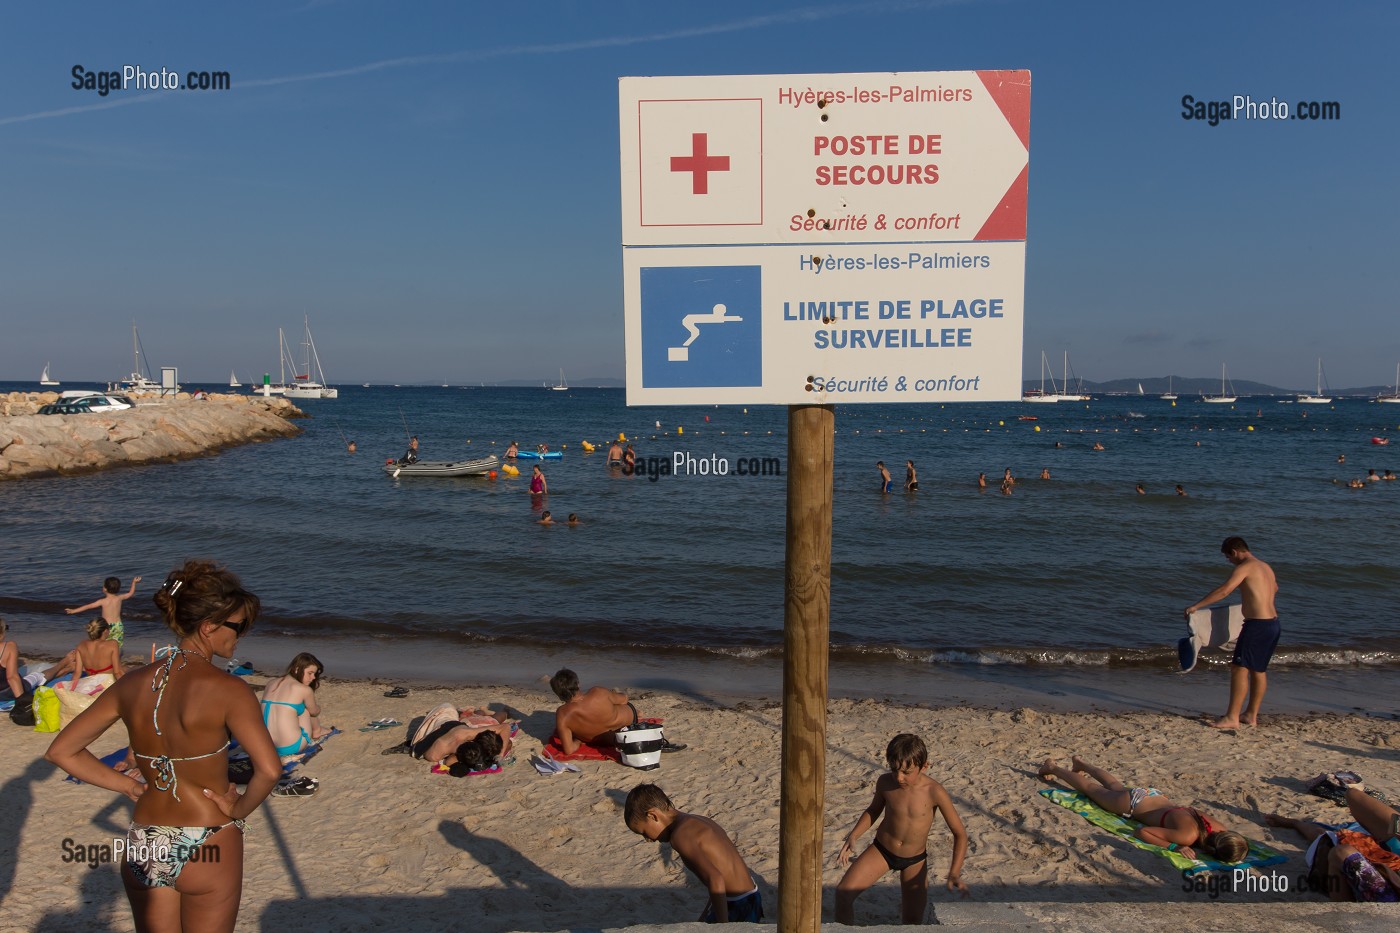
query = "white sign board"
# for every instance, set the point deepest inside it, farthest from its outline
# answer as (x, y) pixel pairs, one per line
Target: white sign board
(794, 239)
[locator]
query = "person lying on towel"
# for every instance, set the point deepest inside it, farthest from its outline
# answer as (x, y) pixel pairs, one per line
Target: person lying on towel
(1347, 865)
(446, 732)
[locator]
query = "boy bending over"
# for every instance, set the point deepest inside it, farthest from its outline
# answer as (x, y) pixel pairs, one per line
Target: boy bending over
(705, 849)
(907, 797)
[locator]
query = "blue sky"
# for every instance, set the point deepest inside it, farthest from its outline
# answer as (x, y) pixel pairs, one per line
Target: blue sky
(436, 184)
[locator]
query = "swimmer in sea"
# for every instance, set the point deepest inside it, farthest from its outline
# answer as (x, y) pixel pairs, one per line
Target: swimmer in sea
(351, 447)
(615, 454)
(1140, 490)
(546, 518)
(1341, 458)
(1045, 473)
(1007, 479)
(885, 482)
(1097, 446)
(513, 450)
(1179, 490)
(911, 479)
(981, 480)
(573, 520)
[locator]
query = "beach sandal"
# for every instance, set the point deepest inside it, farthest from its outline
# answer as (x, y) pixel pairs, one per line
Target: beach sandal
(1329, 786)
(380, 724)
(300, 787)
(396, 693)
(401, 749)
(668, 746)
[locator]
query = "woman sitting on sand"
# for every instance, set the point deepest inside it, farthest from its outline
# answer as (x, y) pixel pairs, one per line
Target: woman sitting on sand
(181, 713)
(98, 654)
(1181, 829)
(290, 708)
(462, 740)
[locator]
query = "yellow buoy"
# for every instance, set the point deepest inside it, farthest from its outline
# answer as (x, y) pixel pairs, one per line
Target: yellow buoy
(1037, 429)
(680, 430)
(1001, 424)
(1249, 427)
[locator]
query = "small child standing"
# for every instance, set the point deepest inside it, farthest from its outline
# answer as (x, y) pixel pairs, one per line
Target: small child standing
(111, 606)
(706, 850)
(907, 797)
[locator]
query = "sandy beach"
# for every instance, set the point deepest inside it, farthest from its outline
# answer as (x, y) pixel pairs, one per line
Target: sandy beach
(384, 844)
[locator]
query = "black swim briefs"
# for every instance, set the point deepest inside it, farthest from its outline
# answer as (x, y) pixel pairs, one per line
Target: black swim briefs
(898, 863)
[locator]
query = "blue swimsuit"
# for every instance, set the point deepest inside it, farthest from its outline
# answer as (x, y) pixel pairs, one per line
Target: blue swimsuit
(298, 743)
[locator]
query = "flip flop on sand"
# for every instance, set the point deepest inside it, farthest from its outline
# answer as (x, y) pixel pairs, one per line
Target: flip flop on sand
(668, 746)
(300, 787)
(396, 693)
(380, 724)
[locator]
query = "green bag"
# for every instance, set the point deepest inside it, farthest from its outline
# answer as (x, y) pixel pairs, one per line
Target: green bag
(45, 710)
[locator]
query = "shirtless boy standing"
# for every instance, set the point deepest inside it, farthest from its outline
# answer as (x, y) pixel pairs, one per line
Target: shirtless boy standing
(591, 716)
(706, 850)
(907, 797)
(111, 606)
(1259, 636)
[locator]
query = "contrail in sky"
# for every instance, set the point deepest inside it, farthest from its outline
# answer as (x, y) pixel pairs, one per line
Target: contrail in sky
(804, 15)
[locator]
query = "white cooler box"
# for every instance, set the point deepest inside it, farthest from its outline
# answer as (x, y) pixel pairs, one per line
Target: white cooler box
(640, 746)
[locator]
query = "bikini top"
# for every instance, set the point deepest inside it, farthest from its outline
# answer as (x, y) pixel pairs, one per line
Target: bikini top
(1205, 821)
(100, 670)
(297, 708)
(164, 765)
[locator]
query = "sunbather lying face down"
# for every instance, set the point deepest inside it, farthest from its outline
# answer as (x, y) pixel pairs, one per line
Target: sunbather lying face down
(1180, 828)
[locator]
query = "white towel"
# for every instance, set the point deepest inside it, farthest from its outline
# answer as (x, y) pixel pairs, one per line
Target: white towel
(1211, 628)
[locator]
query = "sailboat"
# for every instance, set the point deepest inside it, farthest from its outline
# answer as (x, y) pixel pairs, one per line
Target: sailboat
(233, 382)
(1169, 395)
(280, 386)
(140, 379)
(1038, 395)
(303, 386)
(45, 380)
(1222, 398)
(1319, 398)
(1394, 395)
(563, 386)
(1065, 394)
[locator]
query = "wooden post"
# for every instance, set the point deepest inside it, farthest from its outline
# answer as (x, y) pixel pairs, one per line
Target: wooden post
(806, 628)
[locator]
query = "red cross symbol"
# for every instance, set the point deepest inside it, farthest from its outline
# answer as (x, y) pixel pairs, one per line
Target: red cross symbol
(700, 163)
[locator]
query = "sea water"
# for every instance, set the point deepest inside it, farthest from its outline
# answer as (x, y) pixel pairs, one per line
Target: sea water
(1077, 571)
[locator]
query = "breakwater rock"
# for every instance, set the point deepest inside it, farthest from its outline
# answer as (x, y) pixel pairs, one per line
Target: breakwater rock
(155, 431)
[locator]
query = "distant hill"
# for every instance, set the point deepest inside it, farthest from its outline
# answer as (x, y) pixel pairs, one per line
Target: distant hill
(1188, 387)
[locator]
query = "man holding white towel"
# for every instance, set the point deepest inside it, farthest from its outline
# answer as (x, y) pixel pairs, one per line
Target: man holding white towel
(1259, 637)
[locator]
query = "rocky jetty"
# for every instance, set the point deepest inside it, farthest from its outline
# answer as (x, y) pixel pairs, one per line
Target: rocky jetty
(156, 430)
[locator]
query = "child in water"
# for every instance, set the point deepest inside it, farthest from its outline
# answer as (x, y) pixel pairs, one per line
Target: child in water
(908, 798)
(111, 605)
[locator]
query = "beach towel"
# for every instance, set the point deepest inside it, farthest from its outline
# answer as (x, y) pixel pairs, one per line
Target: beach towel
(110, 761)
(240, 766)
(587, 752)
(1209, 628)
(1259, 855)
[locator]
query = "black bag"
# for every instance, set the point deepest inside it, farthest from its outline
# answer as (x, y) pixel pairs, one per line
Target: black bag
(22, 713)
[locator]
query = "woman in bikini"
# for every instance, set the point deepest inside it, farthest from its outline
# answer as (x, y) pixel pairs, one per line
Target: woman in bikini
(98, 654)
(289, 705)
(180, 713)
(1181, 829)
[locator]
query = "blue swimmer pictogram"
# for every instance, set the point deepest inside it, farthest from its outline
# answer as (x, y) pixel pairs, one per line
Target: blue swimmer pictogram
(701, 326)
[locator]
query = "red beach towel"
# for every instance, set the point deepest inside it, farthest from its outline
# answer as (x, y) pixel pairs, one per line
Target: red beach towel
(587, 752)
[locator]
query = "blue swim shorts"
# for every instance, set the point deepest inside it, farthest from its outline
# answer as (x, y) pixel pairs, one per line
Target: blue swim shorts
(1256, 644)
